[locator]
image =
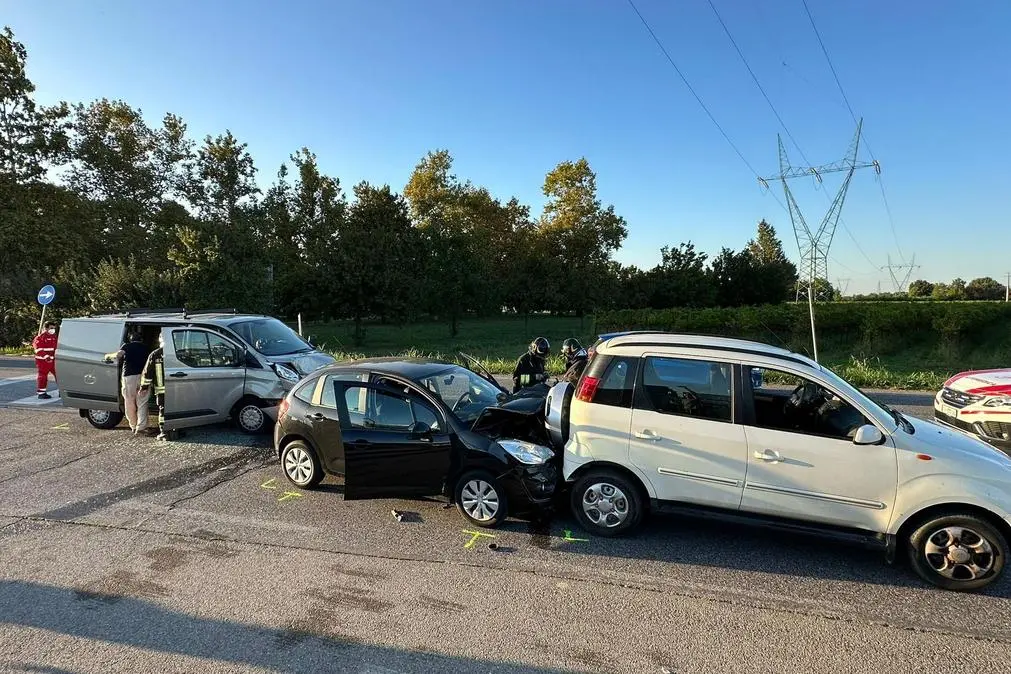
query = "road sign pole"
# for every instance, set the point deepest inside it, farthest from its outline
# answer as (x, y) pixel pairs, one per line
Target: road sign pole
(42, 320)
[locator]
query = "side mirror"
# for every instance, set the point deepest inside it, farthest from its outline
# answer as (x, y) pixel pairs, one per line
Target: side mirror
(421, 428)
(868, 434)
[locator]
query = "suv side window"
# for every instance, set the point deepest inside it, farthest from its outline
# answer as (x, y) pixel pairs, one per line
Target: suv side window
(791, 403)
(617, 379)
(684, 387)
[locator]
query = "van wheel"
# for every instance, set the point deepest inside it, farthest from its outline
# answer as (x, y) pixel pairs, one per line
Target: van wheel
(606, 503)
(250, 417)
(103, 419)
(957, 551)
(481, 499)
(300, 465)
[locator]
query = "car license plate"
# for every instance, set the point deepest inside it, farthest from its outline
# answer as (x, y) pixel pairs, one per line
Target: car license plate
(948, 410)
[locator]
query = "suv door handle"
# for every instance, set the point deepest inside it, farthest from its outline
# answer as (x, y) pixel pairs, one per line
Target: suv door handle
(315, 417)
(769, 455)
(647, 434)
(177, 375)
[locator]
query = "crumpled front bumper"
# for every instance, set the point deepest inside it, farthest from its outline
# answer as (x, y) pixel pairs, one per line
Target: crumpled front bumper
(535, 485)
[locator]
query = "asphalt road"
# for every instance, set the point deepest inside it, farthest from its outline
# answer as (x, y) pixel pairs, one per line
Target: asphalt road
(122, 555)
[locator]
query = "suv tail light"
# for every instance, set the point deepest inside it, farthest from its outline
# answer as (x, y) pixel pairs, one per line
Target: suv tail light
(587, 388)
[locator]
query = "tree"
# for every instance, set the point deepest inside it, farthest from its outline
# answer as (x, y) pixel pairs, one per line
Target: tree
(581, 233)
(949, 291)
(440, 205)
(681, 280)
(377, 255)
(985, 288)
(734, 276)
(921, 288)
(133, 172)
(775, 277)
(220, 255)
(30, 135)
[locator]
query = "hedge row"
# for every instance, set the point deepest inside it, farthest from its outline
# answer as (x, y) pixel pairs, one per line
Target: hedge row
(882, 326)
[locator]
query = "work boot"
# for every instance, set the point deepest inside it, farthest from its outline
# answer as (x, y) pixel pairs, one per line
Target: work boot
(45, 396)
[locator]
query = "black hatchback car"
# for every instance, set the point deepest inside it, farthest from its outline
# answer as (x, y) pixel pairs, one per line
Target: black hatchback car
(400, 428)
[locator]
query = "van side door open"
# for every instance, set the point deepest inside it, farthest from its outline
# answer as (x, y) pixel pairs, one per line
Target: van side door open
(85, 380)
(204, 376)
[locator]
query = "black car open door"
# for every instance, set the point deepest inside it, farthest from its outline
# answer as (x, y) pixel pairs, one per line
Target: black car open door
(478, 368)
(394, 444)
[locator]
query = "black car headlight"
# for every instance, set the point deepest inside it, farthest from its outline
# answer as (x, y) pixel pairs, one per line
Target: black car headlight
(526, 452)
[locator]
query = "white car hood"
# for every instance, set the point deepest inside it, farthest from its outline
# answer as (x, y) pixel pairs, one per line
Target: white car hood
(948, 443)
(982, 382)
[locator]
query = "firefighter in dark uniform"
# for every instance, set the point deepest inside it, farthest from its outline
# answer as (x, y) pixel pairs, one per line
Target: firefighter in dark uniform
(575, 360)
(154, 374)
(531, 368)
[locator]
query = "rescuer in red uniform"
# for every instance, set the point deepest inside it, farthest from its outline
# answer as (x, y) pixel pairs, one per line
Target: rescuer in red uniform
(45, 357)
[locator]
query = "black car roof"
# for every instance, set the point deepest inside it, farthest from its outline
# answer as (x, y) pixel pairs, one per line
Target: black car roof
(411, 368)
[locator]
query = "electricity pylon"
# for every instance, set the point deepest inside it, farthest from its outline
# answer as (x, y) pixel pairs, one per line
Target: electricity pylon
(892, 268)
(814, 245)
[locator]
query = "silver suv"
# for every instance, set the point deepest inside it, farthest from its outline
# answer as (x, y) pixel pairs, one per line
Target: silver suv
(218, 365)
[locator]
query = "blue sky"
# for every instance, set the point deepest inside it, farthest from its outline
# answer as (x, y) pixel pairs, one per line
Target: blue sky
(512, 87)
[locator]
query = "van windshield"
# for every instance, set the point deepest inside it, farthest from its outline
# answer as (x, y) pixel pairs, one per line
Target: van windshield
(270, 337)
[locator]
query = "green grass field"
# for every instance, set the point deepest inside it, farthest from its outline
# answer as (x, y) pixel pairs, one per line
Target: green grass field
(499, 341)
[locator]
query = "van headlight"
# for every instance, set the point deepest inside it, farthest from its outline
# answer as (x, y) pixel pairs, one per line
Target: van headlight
(1003, 401)
(526, 452)
(286, 373)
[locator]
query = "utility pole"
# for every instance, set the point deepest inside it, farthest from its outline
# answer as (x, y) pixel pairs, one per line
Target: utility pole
(814, 244)
(892, 268)
(1007, 288)
(842, 285)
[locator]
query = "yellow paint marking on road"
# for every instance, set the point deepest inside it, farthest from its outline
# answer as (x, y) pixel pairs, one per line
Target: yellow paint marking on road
(268, 483)
(474, 535)
(62, 427)
(569, 539)
(289, 494)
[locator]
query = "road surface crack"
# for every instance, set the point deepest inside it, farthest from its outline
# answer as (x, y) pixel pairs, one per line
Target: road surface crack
(228, 477)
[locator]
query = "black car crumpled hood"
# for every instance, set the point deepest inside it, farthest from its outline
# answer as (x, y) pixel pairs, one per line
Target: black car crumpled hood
(516, 418)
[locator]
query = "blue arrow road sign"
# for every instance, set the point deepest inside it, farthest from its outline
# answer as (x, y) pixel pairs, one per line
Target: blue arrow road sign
(46, 295)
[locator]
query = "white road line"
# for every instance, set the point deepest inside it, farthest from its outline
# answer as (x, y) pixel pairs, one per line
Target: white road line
(16, 380)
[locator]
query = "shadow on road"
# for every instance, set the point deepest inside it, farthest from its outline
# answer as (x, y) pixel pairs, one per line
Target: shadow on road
(703, 543)
(312, 644)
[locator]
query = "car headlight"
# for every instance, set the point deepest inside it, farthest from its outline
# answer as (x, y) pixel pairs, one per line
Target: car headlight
(1004, 401)
(526, 452)
(286, 373)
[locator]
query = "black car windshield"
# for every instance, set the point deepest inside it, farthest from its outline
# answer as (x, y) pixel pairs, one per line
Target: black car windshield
(270, 337)
(464, 392)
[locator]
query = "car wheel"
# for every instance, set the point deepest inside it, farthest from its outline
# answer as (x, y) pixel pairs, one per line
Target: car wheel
(250, 417)
(481, 499)
(958, 551)
(607, 503)
(104, 419)
(300, 465)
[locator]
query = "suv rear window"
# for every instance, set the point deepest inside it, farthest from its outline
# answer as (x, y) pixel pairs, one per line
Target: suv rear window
(617, 379)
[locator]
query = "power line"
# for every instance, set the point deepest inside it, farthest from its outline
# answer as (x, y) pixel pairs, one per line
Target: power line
(835, 75)
(775, 112)
(726, 137)
(691, 88)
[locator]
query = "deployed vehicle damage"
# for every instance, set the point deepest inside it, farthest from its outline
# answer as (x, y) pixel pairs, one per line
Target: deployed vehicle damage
(397, 427)
(218, 365)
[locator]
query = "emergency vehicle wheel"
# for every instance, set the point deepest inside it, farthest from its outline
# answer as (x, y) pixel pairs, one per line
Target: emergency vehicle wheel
(104, 419)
